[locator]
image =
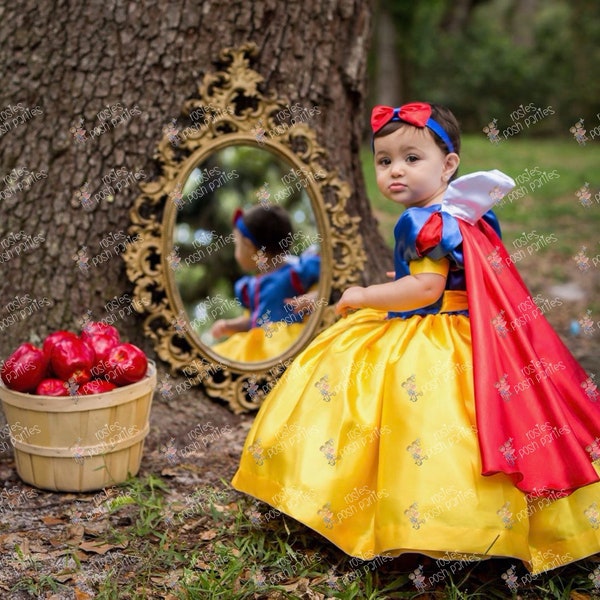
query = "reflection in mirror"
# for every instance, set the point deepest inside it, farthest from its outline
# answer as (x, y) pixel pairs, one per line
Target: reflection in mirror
(247, 281)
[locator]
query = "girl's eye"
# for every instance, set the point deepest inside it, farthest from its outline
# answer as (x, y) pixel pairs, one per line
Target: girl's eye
(384, 161)
(411, 158)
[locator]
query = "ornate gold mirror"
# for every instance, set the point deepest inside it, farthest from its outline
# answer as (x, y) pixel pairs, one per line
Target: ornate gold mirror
(215, 317)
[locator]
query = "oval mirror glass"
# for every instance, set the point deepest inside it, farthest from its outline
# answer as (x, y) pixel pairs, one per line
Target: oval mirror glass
(251, 305)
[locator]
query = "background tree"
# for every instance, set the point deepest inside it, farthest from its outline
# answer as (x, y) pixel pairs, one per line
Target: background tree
(71, 67)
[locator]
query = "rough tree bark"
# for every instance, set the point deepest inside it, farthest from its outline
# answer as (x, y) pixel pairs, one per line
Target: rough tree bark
(136, 63)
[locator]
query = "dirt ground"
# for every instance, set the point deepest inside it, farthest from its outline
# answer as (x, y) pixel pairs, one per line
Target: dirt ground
(40, 529)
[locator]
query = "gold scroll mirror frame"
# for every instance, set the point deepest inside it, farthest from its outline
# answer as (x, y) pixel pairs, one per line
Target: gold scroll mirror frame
(238, 112)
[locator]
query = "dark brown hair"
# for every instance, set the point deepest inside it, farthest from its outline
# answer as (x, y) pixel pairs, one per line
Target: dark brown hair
(269, 225)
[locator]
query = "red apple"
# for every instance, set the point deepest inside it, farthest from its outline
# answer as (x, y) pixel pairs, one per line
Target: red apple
(96, 386)
(24, 368)
(52, 387)
(126, 364)
(56, 338)
(72, 359)
(102, 343)
(94, 328)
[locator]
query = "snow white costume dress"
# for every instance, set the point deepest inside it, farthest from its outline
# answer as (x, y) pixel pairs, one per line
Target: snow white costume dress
(465, 426)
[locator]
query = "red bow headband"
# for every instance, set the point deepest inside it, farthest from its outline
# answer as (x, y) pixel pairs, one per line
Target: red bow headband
(415, 113)
(238, 221)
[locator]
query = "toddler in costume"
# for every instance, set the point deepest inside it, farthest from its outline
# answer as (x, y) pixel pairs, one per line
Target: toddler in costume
(271, 325)
(445, 415)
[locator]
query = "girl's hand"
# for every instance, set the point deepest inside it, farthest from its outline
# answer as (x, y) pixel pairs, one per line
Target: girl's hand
(304, 303)
(391, 274)
(220, 329)
(351, 299)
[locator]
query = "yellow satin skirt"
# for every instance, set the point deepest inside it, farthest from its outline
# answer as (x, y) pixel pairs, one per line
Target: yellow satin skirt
(260, 343)
(370, 439)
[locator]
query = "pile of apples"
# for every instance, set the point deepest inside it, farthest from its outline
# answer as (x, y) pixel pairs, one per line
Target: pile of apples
(68, 364)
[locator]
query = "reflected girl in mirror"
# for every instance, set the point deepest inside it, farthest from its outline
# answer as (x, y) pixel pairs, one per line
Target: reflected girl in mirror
(275, 292)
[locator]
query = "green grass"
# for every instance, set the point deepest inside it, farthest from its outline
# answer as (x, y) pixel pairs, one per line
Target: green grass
(218, 544)
(548, 207)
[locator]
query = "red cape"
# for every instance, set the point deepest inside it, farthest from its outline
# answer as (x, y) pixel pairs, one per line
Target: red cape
(538, 414)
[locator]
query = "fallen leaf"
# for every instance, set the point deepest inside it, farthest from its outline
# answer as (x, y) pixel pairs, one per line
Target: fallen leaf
(73, 535)
(99, 548)
(170, 472)
(577, 596)
(97, 528)
(64, 577)
(81, 595)
(209, 534)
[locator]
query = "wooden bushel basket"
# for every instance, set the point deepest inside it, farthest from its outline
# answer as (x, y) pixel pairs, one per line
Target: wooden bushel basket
(79, 443)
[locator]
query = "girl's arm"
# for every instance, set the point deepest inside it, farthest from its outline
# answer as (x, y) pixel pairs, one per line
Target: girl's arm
(407, 293)
(224, 327)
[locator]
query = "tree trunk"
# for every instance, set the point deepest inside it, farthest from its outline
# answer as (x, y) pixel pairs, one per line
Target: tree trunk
(117, 73)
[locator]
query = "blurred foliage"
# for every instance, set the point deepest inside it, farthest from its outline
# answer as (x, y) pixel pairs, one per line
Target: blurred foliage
(484, 58)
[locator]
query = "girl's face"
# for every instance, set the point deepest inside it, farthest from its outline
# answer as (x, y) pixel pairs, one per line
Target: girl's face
(244, 251)
(410, 167)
